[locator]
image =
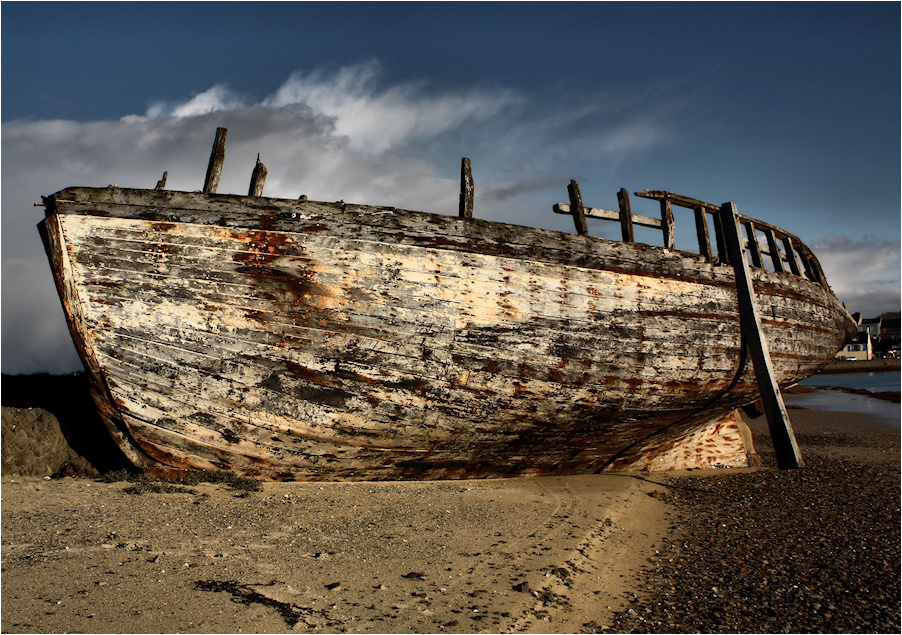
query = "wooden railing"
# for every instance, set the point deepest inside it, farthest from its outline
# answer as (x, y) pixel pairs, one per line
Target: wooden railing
(735, 251)
(785, 251)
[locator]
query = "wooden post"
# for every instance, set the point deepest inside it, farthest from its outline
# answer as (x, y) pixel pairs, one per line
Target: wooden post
(626, 216)
(723, 255)
(811, 270)
(701, 228)
(258, 177)
(577, 209)
(754, 249)
(161, 184)
(667, 223)
(217, 156)
(791, 259)
(775, 257)
(785, 446)
(467, 189)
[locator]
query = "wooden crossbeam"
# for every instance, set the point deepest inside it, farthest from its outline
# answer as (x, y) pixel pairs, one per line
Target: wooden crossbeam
(608, 214)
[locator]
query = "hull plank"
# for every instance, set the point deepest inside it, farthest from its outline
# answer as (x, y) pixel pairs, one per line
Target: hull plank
(302, 340)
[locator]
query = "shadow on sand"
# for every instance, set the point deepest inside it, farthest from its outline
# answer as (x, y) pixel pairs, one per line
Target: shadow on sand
(68, 398)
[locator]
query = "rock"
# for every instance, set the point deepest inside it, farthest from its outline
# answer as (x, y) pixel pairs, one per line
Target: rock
(34, 445)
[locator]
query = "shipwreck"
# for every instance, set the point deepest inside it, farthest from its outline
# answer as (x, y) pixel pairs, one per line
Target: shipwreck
(291, 339)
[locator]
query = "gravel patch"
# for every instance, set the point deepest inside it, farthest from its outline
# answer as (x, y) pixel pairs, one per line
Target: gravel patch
(809, 550)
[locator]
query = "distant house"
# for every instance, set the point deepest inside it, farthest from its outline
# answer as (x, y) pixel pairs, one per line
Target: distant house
(859, 349)
(871, 326)
(889, 336)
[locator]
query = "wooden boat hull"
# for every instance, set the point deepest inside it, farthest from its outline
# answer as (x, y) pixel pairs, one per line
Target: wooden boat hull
(298, 340)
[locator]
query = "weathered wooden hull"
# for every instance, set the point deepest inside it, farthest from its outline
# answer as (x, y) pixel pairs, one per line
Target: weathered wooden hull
(299, 340)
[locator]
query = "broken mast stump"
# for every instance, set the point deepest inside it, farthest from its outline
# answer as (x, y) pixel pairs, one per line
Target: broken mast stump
(217, 157)
(258, 178)
(467, 189)
(785, 446)
(161, 184)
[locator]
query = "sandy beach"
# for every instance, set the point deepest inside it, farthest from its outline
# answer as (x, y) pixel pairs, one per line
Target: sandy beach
(759, 550)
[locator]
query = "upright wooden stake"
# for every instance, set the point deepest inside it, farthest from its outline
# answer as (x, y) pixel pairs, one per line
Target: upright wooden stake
(776, 258)
(667, 223)
(791, 259)
(626, 217)
(704, 239)
(577, 209)
(785, 446)
(214, 168)
(811, 271)
(161, 184)
(467, 189)
(258, 178)
(754, 248)
(723, 254)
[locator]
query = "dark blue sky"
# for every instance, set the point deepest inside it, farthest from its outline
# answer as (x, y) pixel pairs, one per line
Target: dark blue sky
(792, 110)
(782, 83)
(85, 61)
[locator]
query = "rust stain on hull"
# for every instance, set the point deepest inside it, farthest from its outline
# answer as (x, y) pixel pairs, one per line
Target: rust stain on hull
(317, 341)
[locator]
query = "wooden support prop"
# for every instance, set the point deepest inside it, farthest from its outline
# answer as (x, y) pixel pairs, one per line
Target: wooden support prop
(701, 228)
(775, 257)
(217, 157)
(577, 209)
(258, 178)
(161, 184)
(754, 249)
(667, 223)
(626, 217)
(785, 446)
(467, 189)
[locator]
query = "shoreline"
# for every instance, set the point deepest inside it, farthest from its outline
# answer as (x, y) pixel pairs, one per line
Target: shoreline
(863, 366)
(892, 396)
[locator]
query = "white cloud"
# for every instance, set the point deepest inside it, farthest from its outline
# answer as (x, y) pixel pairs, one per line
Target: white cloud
(375, 119)
(864, 274)
(331, 136)
(215, 99)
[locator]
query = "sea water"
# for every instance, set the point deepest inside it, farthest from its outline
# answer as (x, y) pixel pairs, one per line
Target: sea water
(875, 382)
(839, 401)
